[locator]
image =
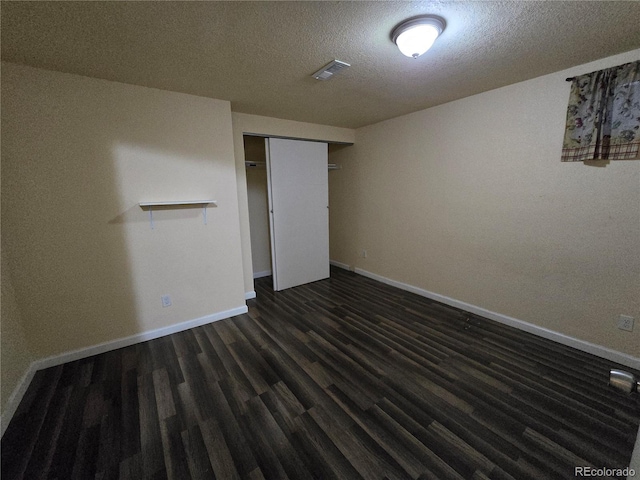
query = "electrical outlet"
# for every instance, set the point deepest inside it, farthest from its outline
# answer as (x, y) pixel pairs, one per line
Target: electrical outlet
(625, 322)
(363, 253)
(166, 301)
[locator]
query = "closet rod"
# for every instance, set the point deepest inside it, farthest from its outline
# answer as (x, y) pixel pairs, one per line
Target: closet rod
(248, 164)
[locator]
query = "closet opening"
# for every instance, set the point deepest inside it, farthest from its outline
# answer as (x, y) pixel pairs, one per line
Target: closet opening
(288, 203)
(258, 201)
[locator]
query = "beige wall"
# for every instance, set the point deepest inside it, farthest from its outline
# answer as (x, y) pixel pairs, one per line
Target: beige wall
(245, 123)
(15, 354)
(469, 200)
(78, 155)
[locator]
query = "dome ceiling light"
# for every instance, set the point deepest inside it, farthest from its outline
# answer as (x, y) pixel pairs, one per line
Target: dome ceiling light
(416, 35)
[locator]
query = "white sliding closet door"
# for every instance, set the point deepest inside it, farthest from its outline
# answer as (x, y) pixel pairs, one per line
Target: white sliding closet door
(298, 204)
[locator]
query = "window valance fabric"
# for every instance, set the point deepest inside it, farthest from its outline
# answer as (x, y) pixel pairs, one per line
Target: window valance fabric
(603, 117)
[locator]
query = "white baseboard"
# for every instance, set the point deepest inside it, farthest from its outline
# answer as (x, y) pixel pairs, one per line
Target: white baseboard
(59, 359)
(16, 397)
(344, 266)
(250, 295)
(266, 273)
(54, 360)
(592, 348)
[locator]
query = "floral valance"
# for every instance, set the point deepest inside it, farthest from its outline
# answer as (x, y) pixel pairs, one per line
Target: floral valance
(603, 117)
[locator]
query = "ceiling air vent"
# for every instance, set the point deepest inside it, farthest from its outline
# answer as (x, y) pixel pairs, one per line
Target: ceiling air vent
(330, 69)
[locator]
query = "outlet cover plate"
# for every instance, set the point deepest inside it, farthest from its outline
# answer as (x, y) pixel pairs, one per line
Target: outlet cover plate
(625, 322)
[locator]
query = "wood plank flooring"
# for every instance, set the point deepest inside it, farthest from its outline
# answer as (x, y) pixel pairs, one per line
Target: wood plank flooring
(345, 378)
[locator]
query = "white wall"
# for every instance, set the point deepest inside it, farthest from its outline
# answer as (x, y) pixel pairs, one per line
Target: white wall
(470, 200)
(78, 155)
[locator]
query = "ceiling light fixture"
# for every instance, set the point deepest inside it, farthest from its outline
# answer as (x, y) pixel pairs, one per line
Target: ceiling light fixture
(416, 35)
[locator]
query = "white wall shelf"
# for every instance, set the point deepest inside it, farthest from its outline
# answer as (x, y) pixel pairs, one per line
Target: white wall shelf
(178, 203)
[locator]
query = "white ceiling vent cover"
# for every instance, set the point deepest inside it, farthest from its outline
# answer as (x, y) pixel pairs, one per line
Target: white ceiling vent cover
(330, 69)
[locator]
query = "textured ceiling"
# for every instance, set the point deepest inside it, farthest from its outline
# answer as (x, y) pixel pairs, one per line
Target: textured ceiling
(260, 55)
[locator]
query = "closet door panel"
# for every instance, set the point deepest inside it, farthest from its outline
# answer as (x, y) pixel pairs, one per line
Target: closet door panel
(299, 215)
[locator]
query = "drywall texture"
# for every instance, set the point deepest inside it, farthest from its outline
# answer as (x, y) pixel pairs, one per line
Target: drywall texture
(15, 355)
(78, 155)
(244, 123)
(469, 200)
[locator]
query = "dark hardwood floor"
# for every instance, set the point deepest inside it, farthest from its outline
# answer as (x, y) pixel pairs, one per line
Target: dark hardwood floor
(343, 378)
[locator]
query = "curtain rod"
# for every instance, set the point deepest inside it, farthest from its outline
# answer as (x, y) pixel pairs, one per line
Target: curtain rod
(570, 79)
